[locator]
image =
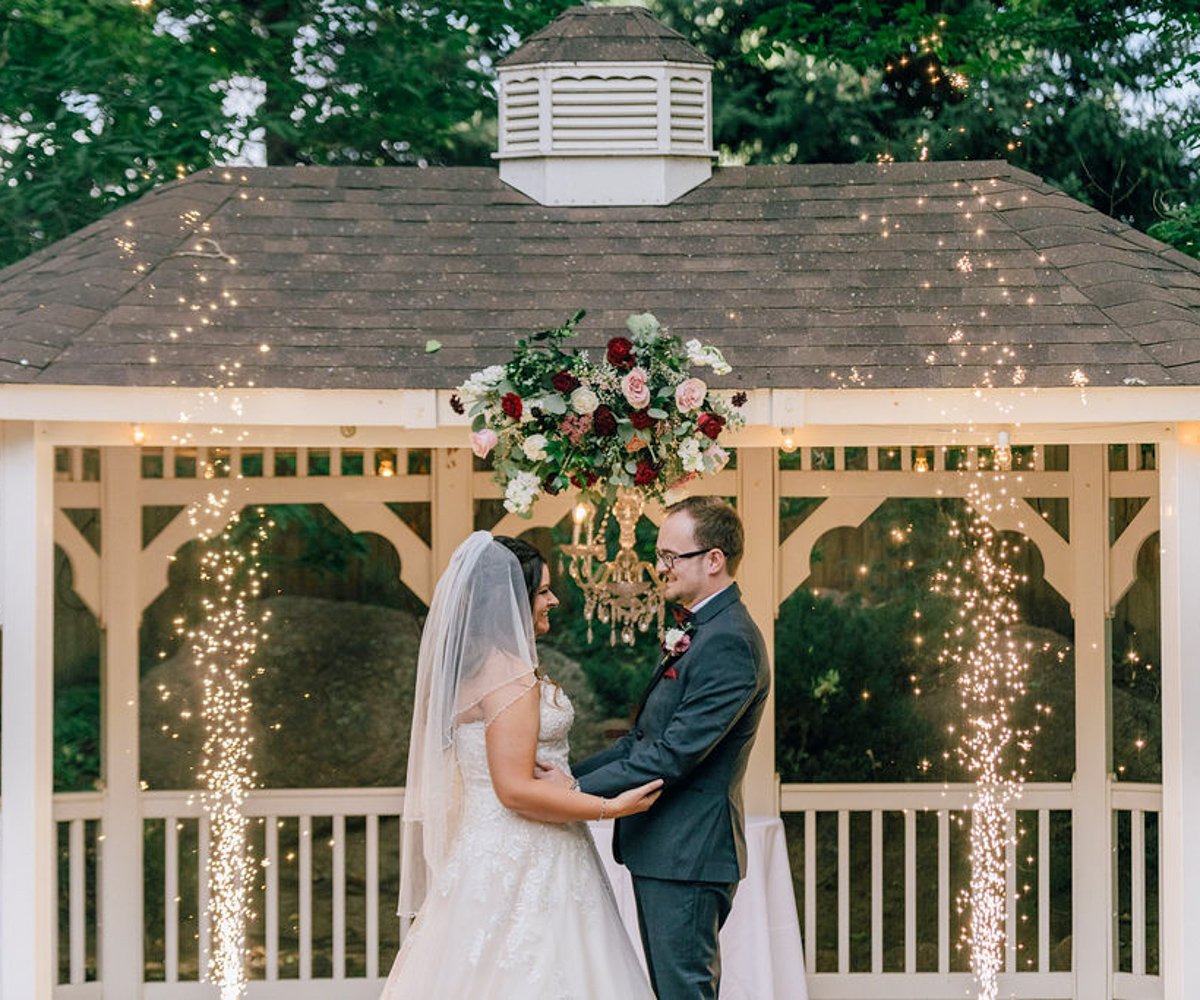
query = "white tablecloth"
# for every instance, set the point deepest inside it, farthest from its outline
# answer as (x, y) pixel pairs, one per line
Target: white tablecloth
(761, 954)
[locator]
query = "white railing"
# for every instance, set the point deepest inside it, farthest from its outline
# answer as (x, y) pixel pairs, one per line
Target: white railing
(852, 960)
(867, 899)
(342, 819)
(77, 827)
(1137, 863)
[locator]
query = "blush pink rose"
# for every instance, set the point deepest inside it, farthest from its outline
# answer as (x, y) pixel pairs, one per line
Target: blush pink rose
(635, 390)
(681, 646)
(689, 394)
(717, 457)
(482, 442)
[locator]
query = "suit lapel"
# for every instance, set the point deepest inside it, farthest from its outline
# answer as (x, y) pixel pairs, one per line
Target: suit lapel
(707, 613)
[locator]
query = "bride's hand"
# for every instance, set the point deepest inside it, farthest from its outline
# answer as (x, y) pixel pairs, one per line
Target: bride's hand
(635, 800)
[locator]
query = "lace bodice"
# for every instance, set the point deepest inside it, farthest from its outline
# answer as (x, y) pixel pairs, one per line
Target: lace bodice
(556, 716)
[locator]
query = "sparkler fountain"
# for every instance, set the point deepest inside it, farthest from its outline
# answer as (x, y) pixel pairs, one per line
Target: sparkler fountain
(991, 680)
(223, 644)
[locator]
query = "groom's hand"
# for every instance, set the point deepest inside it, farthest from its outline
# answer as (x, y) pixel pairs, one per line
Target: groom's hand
(552, 774)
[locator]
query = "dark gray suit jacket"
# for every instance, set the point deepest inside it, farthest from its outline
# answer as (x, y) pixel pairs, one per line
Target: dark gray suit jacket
(695, 732)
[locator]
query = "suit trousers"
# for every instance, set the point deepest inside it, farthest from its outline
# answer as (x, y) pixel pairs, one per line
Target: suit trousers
(680, 923)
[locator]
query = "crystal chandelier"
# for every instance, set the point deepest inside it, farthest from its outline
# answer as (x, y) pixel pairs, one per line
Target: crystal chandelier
(624, 592)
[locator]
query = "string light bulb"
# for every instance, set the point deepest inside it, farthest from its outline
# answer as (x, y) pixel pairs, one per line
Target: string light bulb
(138, 433)
(920, 462)
(788, 444)
(387, 468)
(1002, 457)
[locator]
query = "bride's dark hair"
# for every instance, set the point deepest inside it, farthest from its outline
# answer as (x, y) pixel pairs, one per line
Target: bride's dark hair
(531, 561)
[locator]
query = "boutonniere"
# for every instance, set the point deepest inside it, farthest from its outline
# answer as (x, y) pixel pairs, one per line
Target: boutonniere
(677, 640)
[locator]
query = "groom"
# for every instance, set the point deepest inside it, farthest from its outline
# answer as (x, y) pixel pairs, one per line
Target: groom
(694, 729)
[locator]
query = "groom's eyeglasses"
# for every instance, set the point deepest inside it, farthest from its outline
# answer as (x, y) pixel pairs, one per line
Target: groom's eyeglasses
(669, 559)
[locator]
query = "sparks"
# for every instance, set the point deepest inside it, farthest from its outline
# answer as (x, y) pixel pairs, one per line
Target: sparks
(991, 679)
(223, 644)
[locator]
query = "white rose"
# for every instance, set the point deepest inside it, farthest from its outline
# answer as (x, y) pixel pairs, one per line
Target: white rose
(707, 357)
(534, 447)
(481, 383)
(520, 493)
(690, 455)
(584, 401)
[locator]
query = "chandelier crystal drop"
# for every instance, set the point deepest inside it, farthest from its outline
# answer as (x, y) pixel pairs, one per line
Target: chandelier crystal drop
(624, 592)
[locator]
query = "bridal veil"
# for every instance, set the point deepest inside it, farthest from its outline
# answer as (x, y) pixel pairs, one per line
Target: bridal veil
(477, 657)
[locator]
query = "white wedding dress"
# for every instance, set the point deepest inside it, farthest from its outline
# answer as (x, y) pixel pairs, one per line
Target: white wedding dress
(522, 910)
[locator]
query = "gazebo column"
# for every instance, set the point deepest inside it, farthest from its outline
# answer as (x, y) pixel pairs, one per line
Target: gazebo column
(758, 504)
(28, 908)
(121, 918)
(453, 512)
(1179, 492)
(1092, 824)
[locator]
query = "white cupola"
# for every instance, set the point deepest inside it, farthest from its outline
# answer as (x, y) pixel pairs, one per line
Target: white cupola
(605, 106)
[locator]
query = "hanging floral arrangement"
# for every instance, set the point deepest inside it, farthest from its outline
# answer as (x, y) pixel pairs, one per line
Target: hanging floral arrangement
(638, 417)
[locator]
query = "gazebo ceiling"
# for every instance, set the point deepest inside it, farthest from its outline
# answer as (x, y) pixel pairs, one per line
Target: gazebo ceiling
(806, 276)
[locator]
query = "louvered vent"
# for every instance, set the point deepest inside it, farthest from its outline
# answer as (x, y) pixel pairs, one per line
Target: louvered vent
(597, 113)
(689, 112)
(520, 115)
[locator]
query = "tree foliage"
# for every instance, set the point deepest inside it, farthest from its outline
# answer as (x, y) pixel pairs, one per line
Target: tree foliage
(1072, 91)
(101, 101)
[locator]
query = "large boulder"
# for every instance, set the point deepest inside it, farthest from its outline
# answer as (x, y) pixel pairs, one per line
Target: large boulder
(332, 689)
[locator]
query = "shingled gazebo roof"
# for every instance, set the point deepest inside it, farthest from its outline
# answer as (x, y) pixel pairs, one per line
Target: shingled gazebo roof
(606, 34)
(806, 276)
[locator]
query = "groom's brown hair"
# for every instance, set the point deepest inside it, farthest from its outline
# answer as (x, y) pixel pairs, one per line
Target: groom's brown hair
(716, 525)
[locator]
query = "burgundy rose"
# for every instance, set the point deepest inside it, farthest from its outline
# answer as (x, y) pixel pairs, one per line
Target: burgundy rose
(603, 421)
(456, 405)
(646, 473)
(510, 403)
(549, 485)
(565, 382)
(710, 425)
(584, 480)
(739, 399)
(641, 420)
(620, 353)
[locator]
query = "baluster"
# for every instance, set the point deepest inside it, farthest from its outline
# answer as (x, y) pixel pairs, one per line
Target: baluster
(843, 891)
(810, 890)
(271, 924)
(910, 891)
(372, 896)
(339, 897)
(306, 897)
(1043, 862)
(876, 891)
(943, 856)
(1010, 882)
(77, 895)
(1137, 867)
(171, 899)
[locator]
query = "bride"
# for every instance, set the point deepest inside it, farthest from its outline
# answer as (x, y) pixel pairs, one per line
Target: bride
(509, 898)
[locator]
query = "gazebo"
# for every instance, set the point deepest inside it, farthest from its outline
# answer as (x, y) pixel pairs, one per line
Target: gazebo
(309, 325)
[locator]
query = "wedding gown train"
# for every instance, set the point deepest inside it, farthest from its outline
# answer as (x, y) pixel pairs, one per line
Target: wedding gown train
(522, 910)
